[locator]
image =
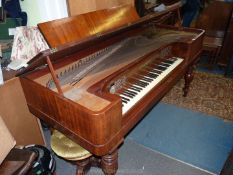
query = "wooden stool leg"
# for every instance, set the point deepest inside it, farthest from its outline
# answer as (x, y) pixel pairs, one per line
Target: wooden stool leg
(82, 166)
(109, 163)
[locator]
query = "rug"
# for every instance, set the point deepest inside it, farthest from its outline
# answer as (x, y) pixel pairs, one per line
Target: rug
(196, 138)
(209, 93)
(135, 159)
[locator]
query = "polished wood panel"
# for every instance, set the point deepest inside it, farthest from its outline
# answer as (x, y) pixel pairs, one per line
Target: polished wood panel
(77, 7)
(82, 26)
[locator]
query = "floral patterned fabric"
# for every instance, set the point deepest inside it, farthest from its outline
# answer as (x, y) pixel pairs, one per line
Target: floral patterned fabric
(28, 42)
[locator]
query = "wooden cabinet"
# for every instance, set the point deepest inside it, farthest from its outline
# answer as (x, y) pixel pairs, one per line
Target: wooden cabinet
(76, 7)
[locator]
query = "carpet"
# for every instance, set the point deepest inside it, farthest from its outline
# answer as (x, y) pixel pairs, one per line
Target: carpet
(209, 93)
(193, 137)
(135, 159)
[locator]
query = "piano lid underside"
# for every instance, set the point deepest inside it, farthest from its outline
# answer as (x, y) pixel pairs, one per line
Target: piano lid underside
(76, 28)
(77, 77)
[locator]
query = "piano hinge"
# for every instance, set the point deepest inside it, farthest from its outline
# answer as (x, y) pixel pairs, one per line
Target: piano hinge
(53, 50)
(98, 34)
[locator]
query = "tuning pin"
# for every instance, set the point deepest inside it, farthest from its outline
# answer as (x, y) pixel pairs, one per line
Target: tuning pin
(47, 84)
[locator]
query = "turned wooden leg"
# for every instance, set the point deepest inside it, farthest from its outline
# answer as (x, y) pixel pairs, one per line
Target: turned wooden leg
(82, 166)
(188, 79)
(109, 163)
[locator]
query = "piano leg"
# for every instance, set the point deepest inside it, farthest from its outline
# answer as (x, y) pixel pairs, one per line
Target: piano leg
(188, 77)
(109, 163)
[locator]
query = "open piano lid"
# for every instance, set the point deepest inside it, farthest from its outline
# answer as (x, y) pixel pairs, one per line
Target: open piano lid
(69, 35)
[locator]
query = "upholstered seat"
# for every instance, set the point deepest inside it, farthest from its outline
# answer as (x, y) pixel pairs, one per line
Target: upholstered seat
(69, 150)
(66, 148)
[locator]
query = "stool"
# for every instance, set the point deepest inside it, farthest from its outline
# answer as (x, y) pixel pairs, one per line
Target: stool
(71, 151)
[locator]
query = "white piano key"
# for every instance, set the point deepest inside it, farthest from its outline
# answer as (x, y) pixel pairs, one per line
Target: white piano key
(150, 86)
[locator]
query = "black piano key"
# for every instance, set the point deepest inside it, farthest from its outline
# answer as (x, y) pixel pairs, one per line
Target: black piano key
(132, 89)
(126, 92)
(131, 92)
(143, 83)
(147, 79)
(136, 88)
(160, 68)
(156, 71)
(127, 95)
(140, 85)
(133, 86)
(169, 61)
(165, 64)
(173, 58)
(152, 75)
(126, 99)
(144, 78)
(168, 64)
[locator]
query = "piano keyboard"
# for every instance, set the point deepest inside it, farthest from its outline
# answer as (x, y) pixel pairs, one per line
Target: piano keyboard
(141, 85)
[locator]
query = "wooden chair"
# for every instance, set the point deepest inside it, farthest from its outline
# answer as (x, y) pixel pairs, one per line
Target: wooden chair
(214, 19)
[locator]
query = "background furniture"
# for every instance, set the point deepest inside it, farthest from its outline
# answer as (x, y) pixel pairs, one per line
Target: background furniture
(215, 24)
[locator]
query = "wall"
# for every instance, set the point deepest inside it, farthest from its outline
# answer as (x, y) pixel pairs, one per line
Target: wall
(44, 10)
(31, 7)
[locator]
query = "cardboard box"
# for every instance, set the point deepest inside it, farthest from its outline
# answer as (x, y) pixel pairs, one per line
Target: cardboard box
(7, 142)
(24, 127)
